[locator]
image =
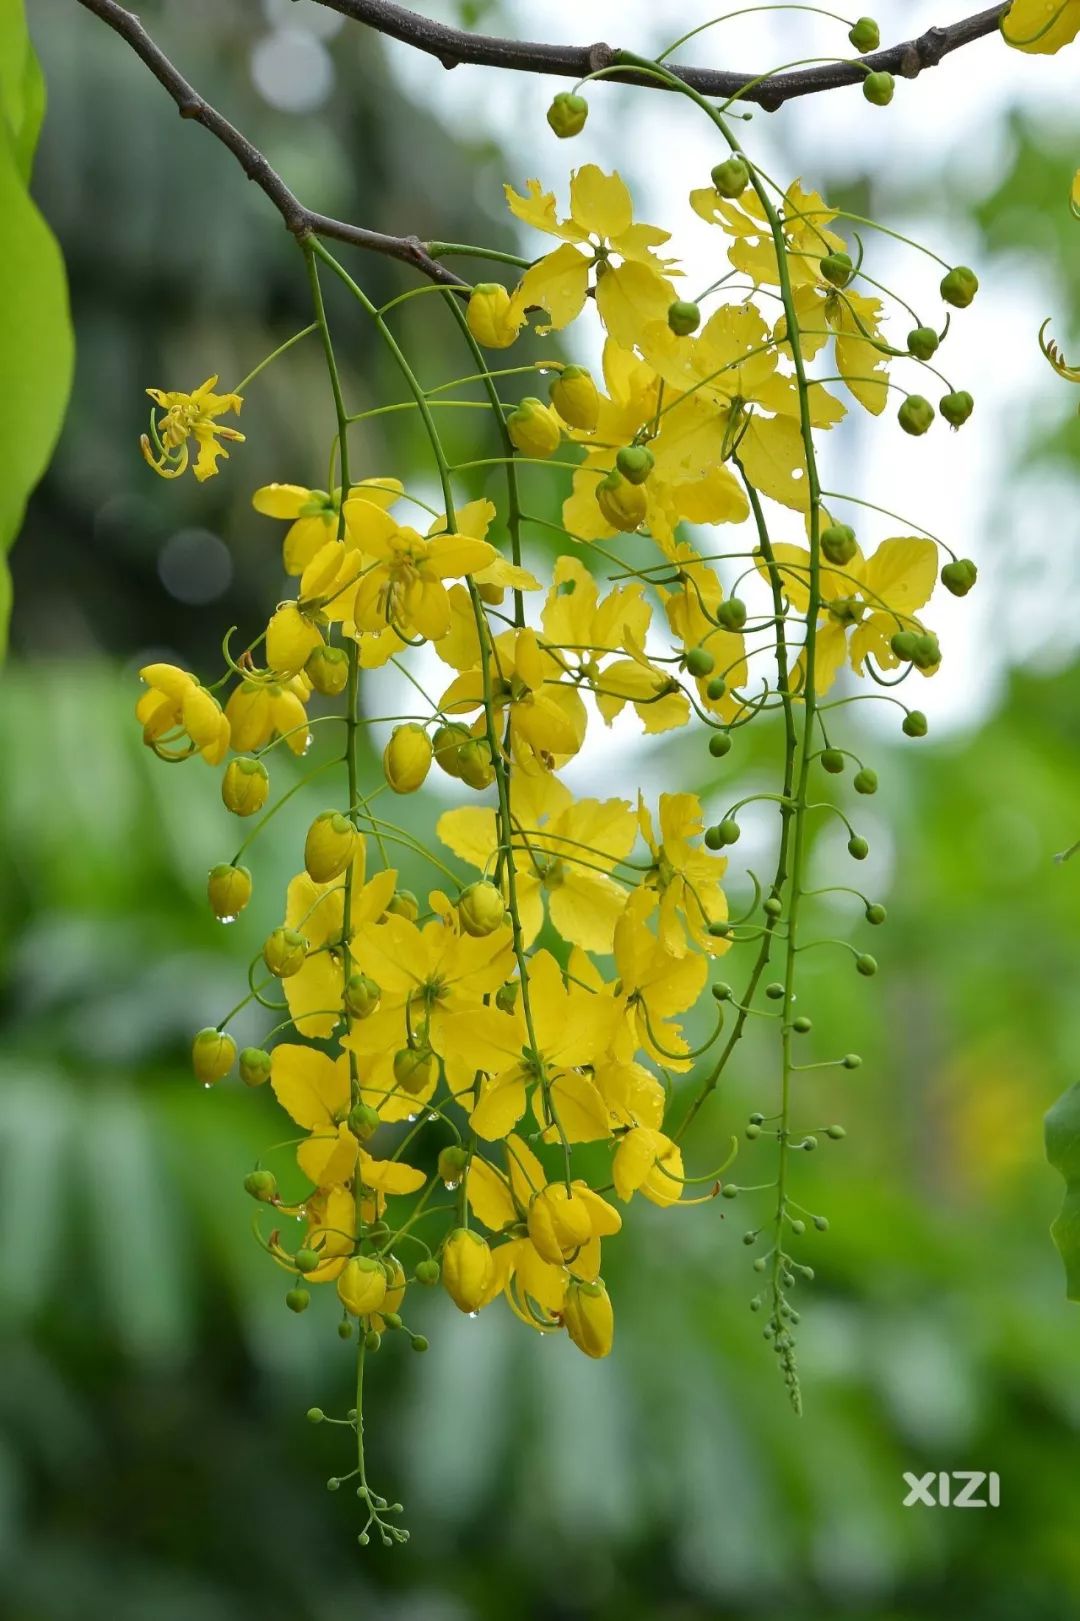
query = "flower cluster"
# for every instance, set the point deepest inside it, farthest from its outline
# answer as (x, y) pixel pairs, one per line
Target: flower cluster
(486, 1074)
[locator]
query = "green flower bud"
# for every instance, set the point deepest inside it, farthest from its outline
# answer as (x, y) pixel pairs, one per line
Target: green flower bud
(722, 992)
(775, 991)
(506, 996)
(865, 35)
(372, 1339)
(574, 395)
(832, 761)
(719, 929)
(837, 1133)
(719, 745)
(363, 1121)
(451, 1164)
(959, 286)
(412, 1069)
(228, 890)
(392, 1319)
(683, 317)
(960, 576)
(730, 831)
(298, 1300)
(927, 653)
(903, 644)
(213, 1054)
(731, 177)
(567, 114)
(838, 544)
(315, 1415)
(915, 724)
(245, 785)
(284, 951)
(481, 909)
(837, 268)
(915, 415)
(254, 1066)
(875, 913)
(261, 1185)
(635, 462)
(306, 1260)
(732, 614)
(866, 965)
(752, 1133)
(858, 849)
(956, 407)
(344, 1329)
(802, 1025)
(923, 342)
(699, 661)
(865, 781)
(327, 669)
(730, 1190)
(403, 903)
(427, 1272)
(716, 689)
(362, 995)
(773, 906)
(878, 88)
(849, 1061)
(418, 1342)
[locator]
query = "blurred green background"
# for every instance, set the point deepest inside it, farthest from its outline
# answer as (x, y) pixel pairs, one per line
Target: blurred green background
(154, 1459)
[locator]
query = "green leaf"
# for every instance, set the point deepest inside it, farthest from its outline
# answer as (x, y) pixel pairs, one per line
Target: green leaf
(1063, 1152)
(36, 342)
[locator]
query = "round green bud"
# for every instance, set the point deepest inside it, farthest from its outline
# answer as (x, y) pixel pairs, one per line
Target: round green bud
(730, 831)
(714, 839)
(452, 1162)
(427, 1272)
(903, 644)
(760, 1265)
(915, 415)
(567, 114)
(722, 992)
(773, 906)
(866, 965)
(851, 1061)
(923, 342)
(878, 88)
(362, 996)
(838, 543)
(729, 1191)
(802, 1024)
(403, 903)
(732, 614)
(915, 724)
(719, 745)
(261, 1185)
(775, 991)
(876, 913)
(858, 849)
(716, 689)
(837, 268)
(506, 996)
(418, 1342)
(344, 1329)
(372, 1340)
(807, 1145)
(683, 317)
(748, 1239)
(927, 652)
(392, 1319)
(731, 177)
(306, 1260)
(213, 1053)
(315, 1415)
(959, 576)
(865, 781)
(798, 1227)
(865, 35)
(412, 1068)
(363, 1121)
(956, 407)
(752, 1133)
(700, 662)
(254, 1066)
(757, 1119)
(821, 1223)
(635, 463)
(719, 929)
(959, 286)
(832, 761)
(837, 1133)
(298, 1300)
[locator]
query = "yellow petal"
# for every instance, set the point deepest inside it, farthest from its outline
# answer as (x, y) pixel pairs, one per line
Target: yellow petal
(599, 202)
(1041, 27)
(311, 1087)
(500, 1106)
(559, 284)
(489, 1195)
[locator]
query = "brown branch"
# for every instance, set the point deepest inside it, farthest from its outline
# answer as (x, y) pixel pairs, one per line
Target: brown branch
(300, 221)
(453, 46)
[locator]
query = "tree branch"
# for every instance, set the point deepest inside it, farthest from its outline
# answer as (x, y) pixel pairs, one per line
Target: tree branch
(300, 221)
(453, 46)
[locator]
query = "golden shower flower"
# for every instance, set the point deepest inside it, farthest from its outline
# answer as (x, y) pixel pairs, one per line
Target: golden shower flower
(177, 708)
(313, 514)
(686, 877)
(259, 711)
(189, 416)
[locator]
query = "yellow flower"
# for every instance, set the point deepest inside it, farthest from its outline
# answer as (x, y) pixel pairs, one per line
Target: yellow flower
(601, 224)
(588, 1318)
(314, 514)
(547, 718)
(259, 711)
(868, 600)
(648, 1162)
(562, 848)
(177, 707)
(691, 614)
(291, 637)
(1041, 27)
(331, 1230)
(686, 877)
(315, 994)
(656, 984)
(403, 587)
(188, 416)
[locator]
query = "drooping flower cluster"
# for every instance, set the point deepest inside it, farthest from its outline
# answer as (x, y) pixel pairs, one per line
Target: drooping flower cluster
(447, 1057)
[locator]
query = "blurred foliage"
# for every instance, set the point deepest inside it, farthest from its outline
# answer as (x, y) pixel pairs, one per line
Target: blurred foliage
(154, 1460)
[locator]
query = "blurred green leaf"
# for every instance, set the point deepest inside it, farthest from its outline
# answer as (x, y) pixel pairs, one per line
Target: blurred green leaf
(36, 343)
(1063, 1152)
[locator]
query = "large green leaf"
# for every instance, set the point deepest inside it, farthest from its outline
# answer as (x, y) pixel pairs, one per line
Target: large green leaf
(1063, 1152)
(36, 343)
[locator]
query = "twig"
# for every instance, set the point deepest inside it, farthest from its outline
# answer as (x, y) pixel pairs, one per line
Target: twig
(454, 46)
(301, 221)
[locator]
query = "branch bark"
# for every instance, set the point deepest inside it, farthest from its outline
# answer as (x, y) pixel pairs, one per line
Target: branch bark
(454, 46)
(299, 220)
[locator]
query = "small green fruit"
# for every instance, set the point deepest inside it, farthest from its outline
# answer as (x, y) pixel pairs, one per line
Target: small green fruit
(731, 178)
(915, 415)
(719, 745)
(959, 286)
(956, 407)
(923, 342)
(878, 88)
(683, 317)
(567, 114)
(865, 35)
(959, 576)
(838, 543)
